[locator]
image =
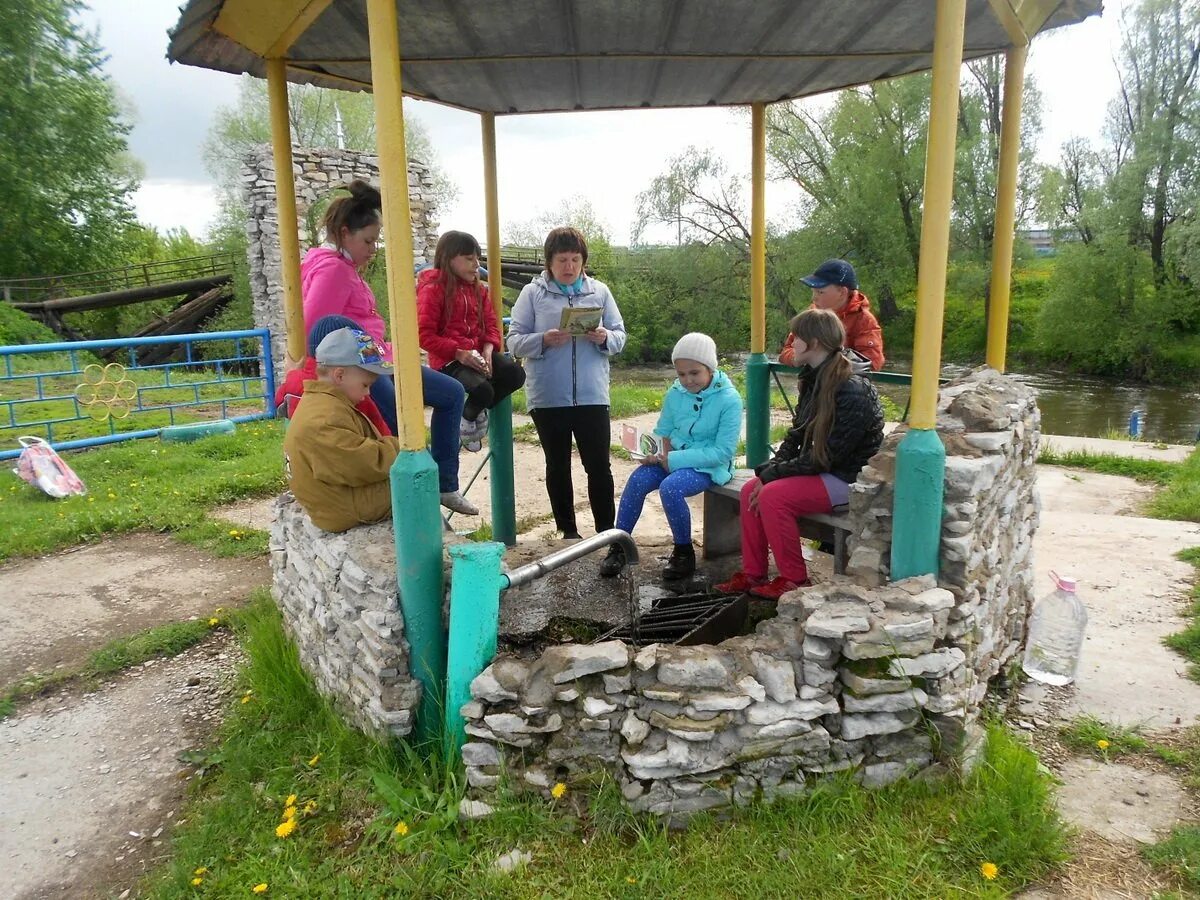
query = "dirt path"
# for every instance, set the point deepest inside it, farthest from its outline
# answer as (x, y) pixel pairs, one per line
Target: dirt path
(57, 609)
(91, 784)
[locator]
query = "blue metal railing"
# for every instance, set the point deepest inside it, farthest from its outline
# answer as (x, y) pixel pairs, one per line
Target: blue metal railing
(77, 387)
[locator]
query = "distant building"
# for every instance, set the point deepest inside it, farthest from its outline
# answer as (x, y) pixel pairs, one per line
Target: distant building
(1041, 239)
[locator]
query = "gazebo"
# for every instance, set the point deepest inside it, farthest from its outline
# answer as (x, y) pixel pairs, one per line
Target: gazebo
(500, 59)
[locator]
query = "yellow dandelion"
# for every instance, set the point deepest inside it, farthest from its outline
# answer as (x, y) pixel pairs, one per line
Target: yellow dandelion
(289, 812)
(290, 801)
(260, 888)
(310, 807)
(91, 499)
(316, 759)
(214, 621)
(401, 828)
(631, 879)
(558, 791)
(233, 532)
(197, 881)
(201, 871)
(285, 828)
(989, 871)
(1102, 744)
(246, 699)
(112, 496)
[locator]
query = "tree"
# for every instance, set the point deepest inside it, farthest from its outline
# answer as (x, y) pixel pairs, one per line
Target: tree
(1071, 194)
(64, 163)
(1154, 124)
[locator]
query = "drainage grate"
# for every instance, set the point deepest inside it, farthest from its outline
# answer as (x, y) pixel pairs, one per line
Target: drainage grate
(684, 620)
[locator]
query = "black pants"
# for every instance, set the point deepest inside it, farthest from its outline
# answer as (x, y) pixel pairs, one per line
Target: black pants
(590, 427)
(484, 392)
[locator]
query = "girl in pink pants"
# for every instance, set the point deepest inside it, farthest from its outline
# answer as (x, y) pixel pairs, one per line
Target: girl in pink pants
(837, 428)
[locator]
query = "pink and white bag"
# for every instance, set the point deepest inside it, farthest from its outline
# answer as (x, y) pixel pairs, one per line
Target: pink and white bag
(41, 467)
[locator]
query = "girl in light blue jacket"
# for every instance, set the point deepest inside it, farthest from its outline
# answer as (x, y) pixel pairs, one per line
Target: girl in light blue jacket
(699, 427)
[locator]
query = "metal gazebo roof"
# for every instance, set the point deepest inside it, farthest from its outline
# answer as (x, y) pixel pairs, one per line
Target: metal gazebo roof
(558, 55)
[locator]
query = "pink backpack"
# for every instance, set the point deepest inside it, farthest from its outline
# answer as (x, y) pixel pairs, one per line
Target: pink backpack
(40, 466)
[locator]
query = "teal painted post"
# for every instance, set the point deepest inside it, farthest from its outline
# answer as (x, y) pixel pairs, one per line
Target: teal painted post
(504, 503)
(475, 583)
(758, 410)
(917, 507)
(417, 523)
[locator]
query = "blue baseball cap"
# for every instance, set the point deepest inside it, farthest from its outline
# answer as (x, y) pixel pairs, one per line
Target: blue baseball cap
(833, 271)
(352, 347)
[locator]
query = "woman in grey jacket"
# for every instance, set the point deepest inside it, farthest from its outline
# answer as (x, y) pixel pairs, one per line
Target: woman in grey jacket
(566, 369)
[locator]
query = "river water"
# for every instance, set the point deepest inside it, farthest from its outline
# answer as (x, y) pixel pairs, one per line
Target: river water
(1071, 404)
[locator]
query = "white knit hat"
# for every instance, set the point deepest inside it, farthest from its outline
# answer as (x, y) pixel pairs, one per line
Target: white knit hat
(697, 346)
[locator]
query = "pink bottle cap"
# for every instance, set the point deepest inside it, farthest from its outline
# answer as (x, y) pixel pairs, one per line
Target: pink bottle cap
(1064, 582)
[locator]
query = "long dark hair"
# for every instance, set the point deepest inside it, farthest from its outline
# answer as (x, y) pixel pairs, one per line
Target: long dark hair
(824, 328)
(450, 245)
(355, 212)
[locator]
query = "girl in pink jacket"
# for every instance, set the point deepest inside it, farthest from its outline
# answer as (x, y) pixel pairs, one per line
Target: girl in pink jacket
(332, 285)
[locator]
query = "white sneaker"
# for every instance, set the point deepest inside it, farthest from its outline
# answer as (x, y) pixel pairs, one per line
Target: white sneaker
(455, 501)
(473, 446)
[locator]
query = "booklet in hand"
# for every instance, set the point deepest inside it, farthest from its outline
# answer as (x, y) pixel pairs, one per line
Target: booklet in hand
(577, 320)
(640, 443)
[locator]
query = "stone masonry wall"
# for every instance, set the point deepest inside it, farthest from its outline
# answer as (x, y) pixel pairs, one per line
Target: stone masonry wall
(317, 173)
(884, 679)
(338, 596)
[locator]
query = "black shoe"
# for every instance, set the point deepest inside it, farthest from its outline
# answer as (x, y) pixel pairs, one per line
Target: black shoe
(614, 563)
(682, 563)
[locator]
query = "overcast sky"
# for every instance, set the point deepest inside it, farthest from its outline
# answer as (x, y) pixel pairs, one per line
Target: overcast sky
(613, 155)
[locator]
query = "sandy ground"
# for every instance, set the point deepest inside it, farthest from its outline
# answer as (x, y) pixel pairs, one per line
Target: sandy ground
(78, 774)
(57, 609)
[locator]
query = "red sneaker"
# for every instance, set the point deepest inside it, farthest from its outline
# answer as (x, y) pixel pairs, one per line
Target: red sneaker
(740, 583)
(777, 588)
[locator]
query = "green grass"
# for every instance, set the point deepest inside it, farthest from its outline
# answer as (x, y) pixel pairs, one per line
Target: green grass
(917, 839)
(117, 655)
(626, 399)
(145, 485)
(1085, 734)
(1187, 642)
(1180, 854)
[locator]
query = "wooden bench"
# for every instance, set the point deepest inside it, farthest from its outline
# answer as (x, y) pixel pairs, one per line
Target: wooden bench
(723, 534)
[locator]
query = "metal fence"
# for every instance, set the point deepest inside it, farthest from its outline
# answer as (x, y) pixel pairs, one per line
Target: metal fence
(67, 395)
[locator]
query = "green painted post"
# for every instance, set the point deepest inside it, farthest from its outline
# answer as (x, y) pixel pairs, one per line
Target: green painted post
(504, 503)
(475, 584)
(417, 523)
(917, 507)
(758, 410)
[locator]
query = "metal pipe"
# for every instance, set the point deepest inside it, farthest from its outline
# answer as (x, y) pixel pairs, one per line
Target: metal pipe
(525, 574)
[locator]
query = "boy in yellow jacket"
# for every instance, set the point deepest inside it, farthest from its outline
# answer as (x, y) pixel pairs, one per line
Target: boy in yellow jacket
(337, 462)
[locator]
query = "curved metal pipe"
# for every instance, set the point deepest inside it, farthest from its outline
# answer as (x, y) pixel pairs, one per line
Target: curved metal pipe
(523, 575)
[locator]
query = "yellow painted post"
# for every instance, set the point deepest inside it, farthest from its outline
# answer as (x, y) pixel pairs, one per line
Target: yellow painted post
(285, 204)
(397, 220)
(935, 222)
(416, 522)
(1006, 208)
(758, 400)
(758, 228)
(491, 200)
(921, 456)
(500, 437)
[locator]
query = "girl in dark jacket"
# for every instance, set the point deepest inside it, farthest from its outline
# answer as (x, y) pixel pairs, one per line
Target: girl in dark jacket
(837, 428)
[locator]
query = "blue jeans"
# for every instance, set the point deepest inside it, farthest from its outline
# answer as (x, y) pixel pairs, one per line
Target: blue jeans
(672, 489)
(446, 396)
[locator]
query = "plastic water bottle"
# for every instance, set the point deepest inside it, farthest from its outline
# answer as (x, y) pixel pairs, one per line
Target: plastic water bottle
(1056, 634)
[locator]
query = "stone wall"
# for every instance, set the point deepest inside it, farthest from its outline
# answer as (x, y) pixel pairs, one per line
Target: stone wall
(317, 173)
(884, 679)
(339, 600)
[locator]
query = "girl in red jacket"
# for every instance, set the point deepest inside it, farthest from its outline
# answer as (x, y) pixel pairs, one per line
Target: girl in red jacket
(460, 331)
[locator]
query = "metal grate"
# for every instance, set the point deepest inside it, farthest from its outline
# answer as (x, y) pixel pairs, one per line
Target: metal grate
(684, 620)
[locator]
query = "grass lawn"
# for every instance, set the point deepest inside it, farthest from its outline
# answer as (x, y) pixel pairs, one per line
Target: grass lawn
(145, 485)
(373, 821)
